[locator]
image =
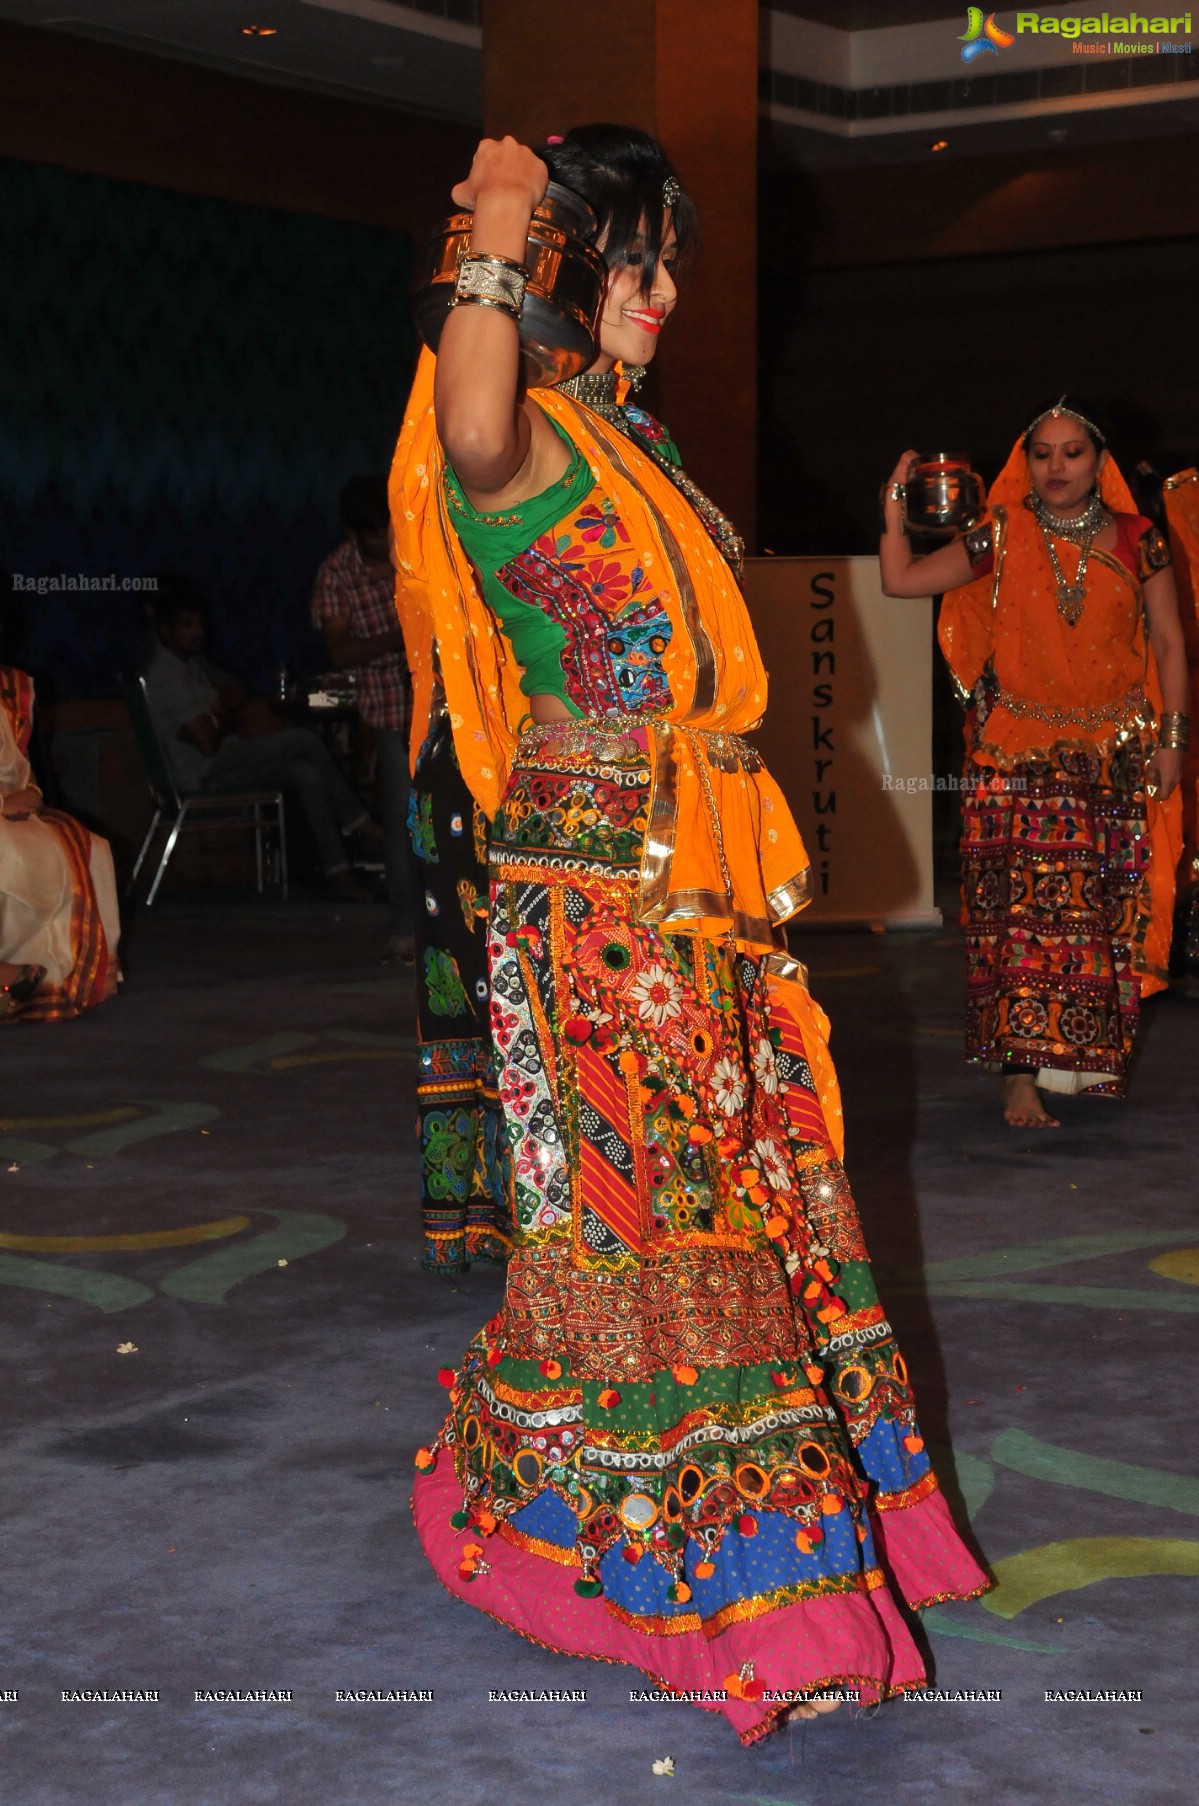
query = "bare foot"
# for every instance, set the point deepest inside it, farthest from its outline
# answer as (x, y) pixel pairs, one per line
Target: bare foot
(812, 1708)
(1022, 1106)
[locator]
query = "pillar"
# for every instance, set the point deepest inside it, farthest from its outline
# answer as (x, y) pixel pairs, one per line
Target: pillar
(687, 71)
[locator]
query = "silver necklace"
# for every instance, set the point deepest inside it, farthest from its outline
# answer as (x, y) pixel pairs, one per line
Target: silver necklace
(1080, 530)
(596, 389)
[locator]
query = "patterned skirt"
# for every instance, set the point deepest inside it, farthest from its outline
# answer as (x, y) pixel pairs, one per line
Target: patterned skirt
(688, 1440)
(1055, 852)
(466, 1173)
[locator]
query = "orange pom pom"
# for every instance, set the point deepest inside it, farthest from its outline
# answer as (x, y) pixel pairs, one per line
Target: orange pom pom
(914, 1443)
(777, 1225)
(831, 1504)
(609, 1397)
(486, 1521)
(681, 1591)
(698, 1134)
(629, 1062)
(815, 1374)
(551, 1370)
(685, 1376)
(749, 1175)
(704, 1570)
(803, 1542)
(632, 1553)
(426, 1460)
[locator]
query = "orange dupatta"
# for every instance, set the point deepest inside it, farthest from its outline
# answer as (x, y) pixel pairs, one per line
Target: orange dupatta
(722, 845)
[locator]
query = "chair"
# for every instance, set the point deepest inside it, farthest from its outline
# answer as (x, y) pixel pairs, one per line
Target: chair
(260, 810)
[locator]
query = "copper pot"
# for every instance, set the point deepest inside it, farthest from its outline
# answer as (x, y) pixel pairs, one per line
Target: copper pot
(941, 494)
(560, 319)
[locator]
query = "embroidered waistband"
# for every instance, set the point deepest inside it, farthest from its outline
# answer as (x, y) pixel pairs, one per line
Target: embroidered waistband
(1130, 710)
(626, 736)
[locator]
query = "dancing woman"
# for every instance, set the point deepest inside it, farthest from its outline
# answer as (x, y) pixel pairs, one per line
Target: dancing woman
(687, 1439)
(1062, 633)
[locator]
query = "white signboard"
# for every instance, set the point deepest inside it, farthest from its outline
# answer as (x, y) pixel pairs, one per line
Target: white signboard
(848, 734)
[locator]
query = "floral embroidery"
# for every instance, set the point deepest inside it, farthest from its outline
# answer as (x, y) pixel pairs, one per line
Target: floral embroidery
(656, 993)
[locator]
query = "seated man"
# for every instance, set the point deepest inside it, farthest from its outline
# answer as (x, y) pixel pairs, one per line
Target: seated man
(194, 703)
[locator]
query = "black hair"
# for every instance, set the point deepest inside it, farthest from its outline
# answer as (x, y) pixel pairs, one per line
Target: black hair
(364, 506)
(622, 173)
(175, 595)
(1092, 421)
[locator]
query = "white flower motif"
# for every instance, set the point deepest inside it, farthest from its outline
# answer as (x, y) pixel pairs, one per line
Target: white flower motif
(772, 1163)
(765, 1070)
(656, 992)
(729, 1082)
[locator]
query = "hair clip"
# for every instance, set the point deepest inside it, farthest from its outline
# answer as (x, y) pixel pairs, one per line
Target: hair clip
(671, 191)
(555, 138)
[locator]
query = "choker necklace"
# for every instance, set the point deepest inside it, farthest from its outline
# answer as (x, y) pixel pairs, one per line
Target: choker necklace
(1080, 530)
(596, 389)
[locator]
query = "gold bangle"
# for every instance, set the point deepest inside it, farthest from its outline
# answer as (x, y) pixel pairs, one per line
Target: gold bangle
(1174, 733)
(486, 281)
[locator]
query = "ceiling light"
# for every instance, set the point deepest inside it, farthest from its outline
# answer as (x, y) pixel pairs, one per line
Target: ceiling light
(259, 31)
(941, 144)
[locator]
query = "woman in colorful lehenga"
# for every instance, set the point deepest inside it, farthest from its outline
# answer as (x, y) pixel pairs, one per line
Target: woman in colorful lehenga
(59, 922)
(1180, 501)
(687, 1440)
(1062, 633)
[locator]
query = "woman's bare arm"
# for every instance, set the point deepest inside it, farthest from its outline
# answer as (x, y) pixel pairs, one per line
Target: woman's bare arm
(903, 573)
(501, 445)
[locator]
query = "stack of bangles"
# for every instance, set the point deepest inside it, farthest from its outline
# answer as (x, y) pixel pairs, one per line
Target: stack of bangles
(485, 281)
(1175, 734)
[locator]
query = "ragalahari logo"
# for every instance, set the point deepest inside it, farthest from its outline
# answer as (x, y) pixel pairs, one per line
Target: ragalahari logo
(982, 36)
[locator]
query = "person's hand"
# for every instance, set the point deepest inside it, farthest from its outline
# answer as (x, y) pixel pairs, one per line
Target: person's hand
(1164, 772)
(19, 805)
(503, 167)
(900, 473)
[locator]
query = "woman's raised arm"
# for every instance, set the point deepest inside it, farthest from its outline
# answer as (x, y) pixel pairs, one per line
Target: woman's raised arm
(904, 574)
(501, 446)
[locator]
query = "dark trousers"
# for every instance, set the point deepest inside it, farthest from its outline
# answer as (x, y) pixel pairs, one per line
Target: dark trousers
(296, 760)
(396, 784)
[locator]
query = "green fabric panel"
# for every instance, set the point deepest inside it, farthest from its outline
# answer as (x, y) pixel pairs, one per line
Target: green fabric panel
(493, 539)
(855, 1283)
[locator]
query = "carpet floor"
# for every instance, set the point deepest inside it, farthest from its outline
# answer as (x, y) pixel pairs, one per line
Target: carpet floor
(221, 1352)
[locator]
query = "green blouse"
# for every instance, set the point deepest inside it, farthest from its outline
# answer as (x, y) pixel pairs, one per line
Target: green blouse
(546, 643)
(492, 540)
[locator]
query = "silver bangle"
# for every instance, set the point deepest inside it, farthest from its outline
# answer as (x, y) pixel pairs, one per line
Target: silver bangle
(485, 281)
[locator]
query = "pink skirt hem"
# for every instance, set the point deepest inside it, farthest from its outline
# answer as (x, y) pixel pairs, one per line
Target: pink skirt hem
(853, 1640)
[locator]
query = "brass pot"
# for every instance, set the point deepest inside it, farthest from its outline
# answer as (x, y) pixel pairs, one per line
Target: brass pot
(941, 494)
(560, 319)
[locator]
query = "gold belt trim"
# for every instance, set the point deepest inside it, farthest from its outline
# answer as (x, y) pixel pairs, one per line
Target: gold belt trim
(1130, 710)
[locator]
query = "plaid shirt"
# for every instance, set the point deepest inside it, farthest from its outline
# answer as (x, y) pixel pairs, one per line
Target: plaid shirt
(345, 589)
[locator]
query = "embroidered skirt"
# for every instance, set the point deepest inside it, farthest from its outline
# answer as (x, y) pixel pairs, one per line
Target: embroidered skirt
(1055, 854)
(466, 1178)
(688, 1440)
